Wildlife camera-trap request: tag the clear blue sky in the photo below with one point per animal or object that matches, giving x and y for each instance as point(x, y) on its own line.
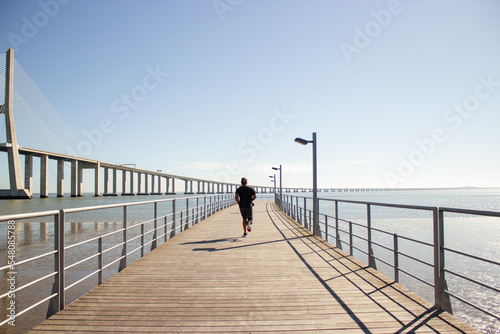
point(401, 93)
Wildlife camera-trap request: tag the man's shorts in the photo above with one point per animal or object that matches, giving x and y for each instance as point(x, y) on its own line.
point(246, 213)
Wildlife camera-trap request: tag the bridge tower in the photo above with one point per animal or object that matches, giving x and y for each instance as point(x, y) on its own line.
point(15, 174)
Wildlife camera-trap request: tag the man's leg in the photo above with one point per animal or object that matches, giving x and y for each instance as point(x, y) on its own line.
point(244, 226)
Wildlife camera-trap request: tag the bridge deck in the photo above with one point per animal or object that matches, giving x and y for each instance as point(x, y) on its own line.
point(278, 279)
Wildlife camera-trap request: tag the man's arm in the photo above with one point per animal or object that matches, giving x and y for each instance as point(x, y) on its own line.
point(237, 198)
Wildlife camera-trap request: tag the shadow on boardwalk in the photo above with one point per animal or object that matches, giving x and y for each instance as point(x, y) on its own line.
point(278, 279)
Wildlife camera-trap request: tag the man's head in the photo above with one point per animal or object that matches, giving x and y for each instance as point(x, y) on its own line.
point(244, 181)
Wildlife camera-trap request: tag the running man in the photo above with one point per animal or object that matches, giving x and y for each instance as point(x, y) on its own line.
point(244, 197)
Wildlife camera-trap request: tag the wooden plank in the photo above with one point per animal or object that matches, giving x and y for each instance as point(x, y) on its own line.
point(278, 279)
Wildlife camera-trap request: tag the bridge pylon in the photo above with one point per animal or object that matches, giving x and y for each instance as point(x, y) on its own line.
point(17, 189)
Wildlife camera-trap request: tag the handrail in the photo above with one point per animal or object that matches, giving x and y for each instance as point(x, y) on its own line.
point(297, 208)
point(167, 225)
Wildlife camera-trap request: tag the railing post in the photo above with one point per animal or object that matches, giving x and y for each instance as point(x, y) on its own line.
point(165, 225)
point(155, 234)
point(435, 230)
point(123, 262)
point(297, 216)
point(371, 257)
point(142, 239)
point(444, 298)
point(338, 243)
point(99, 260)
point(61, 261)
point(181, 225)
point(204, 207)
point(396, 258)
point(326, 228)
point(197, 210)
point(305, 213)
point(55, 303)
point(310, 220)
point(173, 218)
point(187, 213)
point(350, 238)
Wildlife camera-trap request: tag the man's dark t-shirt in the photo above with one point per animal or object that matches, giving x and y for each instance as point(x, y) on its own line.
point(246, 194)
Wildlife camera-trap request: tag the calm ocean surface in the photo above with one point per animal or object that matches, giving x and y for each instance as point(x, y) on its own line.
point(476, 235)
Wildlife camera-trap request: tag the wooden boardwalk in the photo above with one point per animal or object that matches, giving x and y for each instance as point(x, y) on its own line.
point(279, 279)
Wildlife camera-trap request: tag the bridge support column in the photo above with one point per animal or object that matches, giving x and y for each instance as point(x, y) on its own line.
point(188, 184)
point(146, 184)
point(28, 172)
point(114, 181)
point(131, 182)
point(106, 179)
point(159, 184)
point(60, 178)
point(97, 179)
point(80, 180)
point(124, 182)
point(152, 184)
point(139, 184)
point(44, 160)
point(74, 178)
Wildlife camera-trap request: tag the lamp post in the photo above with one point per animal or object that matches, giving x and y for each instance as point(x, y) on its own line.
point(281, 179)
point(316, 229)
point(273, 179)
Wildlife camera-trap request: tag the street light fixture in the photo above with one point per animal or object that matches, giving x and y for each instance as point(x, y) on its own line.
point(316, 229)
point(280, 168)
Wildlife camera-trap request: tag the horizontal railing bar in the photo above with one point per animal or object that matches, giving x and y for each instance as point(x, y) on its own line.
point(362, 251)
point(28, 284)
point(471, 304)
point(20, 216)
point(470, 212)
point(81, 261)
point(134, 250)
point(81, 280)
point(471, 256)
point(472, 280)
point(401, 206)
point(383, 261)
point(81, 243)
point(415, 240)
point(415, 277)
point(382, 246)
point(415, 259)
point(111, 248)
point(113, 262)
point(136, 237)
point(30, 259)
point(111, 233)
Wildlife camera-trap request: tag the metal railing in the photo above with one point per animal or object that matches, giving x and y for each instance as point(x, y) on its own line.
point(191, 210)
point(341, 231)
